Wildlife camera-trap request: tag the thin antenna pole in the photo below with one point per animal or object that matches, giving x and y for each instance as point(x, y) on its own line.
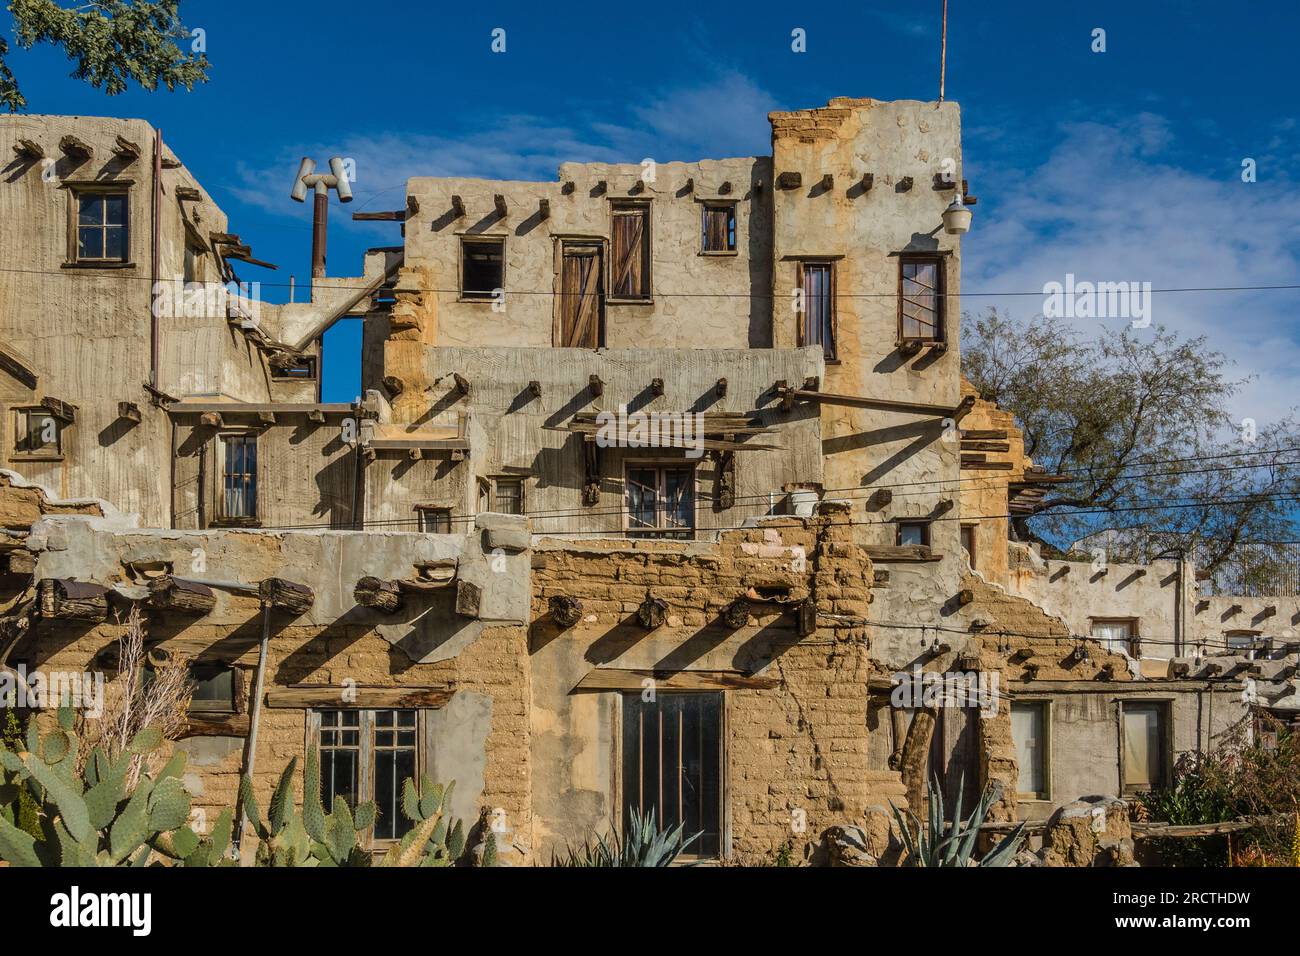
point(943, 50)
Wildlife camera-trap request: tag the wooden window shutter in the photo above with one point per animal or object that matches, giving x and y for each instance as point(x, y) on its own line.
point(630, 252)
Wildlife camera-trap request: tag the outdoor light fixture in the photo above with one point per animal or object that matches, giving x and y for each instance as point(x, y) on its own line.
point(956, 218)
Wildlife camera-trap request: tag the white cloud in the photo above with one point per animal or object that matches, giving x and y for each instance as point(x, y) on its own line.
point(1108, 205)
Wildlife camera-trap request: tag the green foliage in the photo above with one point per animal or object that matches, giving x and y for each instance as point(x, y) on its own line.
point(784, 854)
point(644, 844)
point(312, 837)
point(17, 805)
point(88, 817)
point(938, 843)
point(112, 43)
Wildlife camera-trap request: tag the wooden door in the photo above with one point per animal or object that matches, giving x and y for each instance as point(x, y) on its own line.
point(581, 307)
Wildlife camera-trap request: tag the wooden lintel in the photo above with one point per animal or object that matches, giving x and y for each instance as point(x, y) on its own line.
point(199, 724)
point(901, 552)
point(609, 678)
point(349, 697)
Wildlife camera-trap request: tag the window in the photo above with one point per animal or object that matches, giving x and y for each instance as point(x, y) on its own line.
point(1117, 635)
point(238, 497)
point(630, 252)
point(672, 764)
point(914, 532)
point(502, 495)
point(303, 369)
point(920, 306)
point(719, 230)
point(1029, 730)
point(1145, 745)
point(101, 226)
point(214, 689)
point(433, 520)
point(580, 322)
point(660, 501)
point(1246, 643)
point(482, 267)
point(193, 263)
point(817, 323)
point(968, 543)
point(368, 755)
point(38, 433)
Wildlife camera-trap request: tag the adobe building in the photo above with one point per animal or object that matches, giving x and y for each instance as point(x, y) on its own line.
point(661, 475)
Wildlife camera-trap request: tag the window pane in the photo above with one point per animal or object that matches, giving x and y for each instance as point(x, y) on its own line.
point(1143, 743)
point(90, 242)
point(394, 762)
point(679, 498)
point(509, 497)
point(115, 210)
point(214, 687)
point(672, 764)
point(114, 242)
point(1114, 635)
point(90, 210)
point(819, 306)
point(911, 534)
point(641, 498)
point(1027, 731)
point(339, 757)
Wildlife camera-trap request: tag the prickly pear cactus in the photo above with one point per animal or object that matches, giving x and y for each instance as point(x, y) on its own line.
point(90, 818)
point(432, 841)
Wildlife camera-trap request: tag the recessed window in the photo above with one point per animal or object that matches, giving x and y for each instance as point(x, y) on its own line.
point(38, 433)
point(968, 543)
point(483, 265)
point(433, 520)
point(1029, 731)
point(921, 299)
point(101, 226)
point(914, 533)
point(502, 495)
point(1117, 635)
point(214, 689)
point(630, 252)
point(1246, 643)
point(193, 263)
point(302, 369)
point(719, 230)
point(368, 755)
point(817, 320)
point(1145, 741)
point(672, 764)
point(238, 493)
point(660, 501)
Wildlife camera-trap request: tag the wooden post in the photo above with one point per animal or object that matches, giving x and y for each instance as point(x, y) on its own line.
point(915, 761)
point(250, 745)
point(382, 595)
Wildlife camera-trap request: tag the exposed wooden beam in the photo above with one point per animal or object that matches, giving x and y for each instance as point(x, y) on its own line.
point(63, 411)
point(76, 148)
point(565, 611)
point(789, 180)
point(469, 598)
point(596, 385)
point(349, 697)
point(72, 600)
point(885, 404)
point(129, 411)
point(499, 202)
point(720, 389)
point(543, 209)
point(385, 596)
point(652, 612)
point(609, 678)
point(188, 194)
point(458, 207)
point(28, 149)
point(168, 593)
point(287, 596)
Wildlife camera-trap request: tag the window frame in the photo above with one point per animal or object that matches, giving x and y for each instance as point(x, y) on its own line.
point(921, 523)
point(22, 416)
point(210, 708)
point(464, 295)
point(1164, 707)
point(623, 785)
point(1134, 638)
point(626, 207)
point(940, 263)
point(714, 205)
point(366, 750)
point(831, 356)
point(970, 529)
point(1044, 707)
point(660, 467)
point(441, 513)
point(221, 517)
point(311, 362)
point(78, 190)
point(487, 493)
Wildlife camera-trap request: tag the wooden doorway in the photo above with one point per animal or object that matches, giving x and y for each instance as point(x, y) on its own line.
point(580, 309)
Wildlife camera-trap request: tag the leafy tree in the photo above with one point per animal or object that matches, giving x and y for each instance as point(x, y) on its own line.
point(112, 42)
point(1138, 421)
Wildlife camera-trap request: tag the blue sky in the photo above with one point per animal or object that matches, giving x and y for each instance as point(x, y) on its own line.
point(1117, 165)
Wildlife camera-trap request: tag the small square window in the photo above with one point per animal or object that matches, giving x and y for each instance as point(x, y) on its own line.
point(914, 533)
point(38, 433)
point(508, 496)
point(482, 265)
point(303, 369)
point(214, 688)
point(1117, 635)
point(433, 520)
point(719, 232)
point(101, 226)
point(660, 501)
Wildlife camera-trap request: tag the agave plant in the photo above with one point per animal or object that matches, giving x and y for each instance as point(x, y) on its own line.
point(939, 843)
point(644, 844)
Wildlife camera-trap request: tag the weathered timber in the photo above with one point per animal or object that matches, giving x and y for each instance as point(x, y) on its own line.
point(72, 600)
point(340, 696)
point(565, 611)
point(129, 411)
point(469, 597)
point(28, 149)
point(19, 562)
point(609, 678)
point(901, 552)
point(382, 595)
point(789, 180)
point(286, 595)
point(652, 612)
point(76, 148)
point(168, 593)
point(736, 614)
